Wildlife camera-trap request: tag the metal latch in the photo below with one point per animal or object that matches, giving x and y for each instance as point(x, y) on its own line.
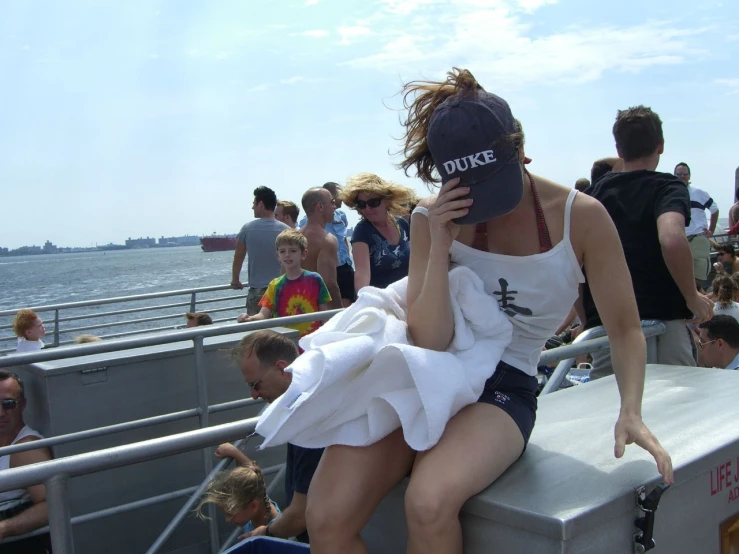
point(647, 503)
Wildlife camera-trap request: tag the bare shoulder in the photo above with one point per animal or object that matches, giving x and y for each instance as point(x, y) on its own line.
point(19, 459)
point(330, 241)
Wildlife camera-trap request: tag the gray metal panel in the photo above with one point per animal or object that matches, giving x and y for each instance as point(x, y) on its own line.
point(64, 397)
point(568, 494)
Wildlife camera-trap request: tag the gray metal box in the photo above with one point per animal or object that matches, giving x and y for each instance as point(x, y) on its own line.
point(568, 494)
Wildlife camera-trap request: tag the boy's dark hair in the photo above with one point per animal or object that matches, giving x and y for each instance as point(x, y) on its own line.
point(638, 133)
point(727, 249)
point(724, 327)
point(5, 375)
point(266, 196)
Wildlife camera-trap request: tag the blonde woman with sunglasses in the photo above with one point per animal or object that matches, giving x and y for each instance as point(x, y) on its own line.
point(381, 240)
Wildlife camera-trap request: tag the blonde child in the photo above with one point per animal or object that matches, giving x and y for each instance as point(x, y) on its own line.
point(240, 493)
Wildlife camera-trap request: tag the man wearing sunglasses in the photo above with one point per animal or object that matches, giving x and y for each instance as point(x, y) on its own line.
point(21, 510)
point(719, 342)
point(263, 358)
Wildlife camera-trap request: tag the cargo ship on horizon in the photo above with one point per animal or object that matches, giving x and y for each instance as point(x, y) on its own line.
point(218, 243)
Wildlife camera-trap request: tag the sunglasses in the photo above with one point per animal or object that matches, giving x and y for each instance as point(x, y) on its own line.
point(255, 385)
point(701, 344)
point(372, 203)
point(682, 174)
point(9, 403)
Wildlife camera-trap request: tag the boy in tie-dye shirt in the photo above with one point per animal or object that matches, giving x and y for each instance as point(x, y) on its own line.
point(297, 291)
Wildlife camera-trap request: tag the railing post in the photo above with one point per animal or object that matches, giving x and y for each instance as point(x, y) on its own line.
point(60, 519)
point(56, 327)
point(202, 388)
point(193, 302)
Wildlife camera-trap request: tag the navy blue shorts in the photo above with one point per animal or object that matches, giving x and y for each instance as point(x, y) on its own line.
point(514, 392)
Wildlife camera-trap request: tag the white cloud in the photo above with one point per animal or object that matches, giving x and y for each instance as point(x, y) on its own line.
point(732, 84)
point(314, 33)
point(293, 80)
point(353, 33)
point(493, 38)
point(311, 2)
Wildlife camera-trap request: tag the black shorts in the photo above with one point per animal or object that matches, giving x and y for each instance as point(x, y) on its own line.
point(345, 278)
point(514, 392)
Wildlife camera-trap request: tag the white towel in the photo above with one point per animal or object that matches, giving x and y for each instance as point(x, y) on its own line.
point(360, 378)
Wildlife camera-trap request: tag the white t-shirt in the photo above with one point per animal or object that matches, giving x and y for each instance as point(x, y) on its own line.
point(28, 345)
point(700, 201)
point(732, 310)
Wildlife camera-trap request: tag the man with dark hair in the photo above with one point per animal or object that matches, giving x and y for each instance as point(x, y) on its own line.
point(727, 260)
point(323, 247)
point(650, 210)
point(21, 510)
point(339, 228)
point(699, 230)
point(719, 342)
point(287, 212)
point(257, 238)
point(263, 357)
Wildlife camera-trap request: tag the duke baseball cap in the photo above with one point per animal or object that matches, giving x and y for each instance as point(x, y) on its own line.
point(468, 137)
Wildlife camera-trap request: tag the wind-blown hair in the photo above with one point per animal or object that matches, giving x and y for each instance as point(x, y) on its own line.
point(421, 98)
point(233, 490)
point(398, 197)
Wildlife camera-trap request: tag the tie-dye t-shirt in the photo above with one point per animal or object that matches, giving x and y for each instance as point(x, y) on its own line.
point(296, 296)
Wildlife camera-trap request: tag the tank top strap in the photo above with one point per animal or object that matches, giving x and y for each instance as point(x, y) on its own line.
point(568, 211)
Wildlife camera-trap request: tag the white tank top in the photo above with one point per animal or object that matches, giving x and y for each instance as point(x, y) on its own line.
point(9, 499)
point(536, 292)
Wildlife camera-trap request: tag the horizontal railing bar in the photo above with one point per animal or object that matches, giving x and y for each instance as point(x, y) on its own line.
point(101, 347)
point(99, 431)
point(220, 299)
point(126, 426)
point(126, 322)
point(591, 345)
point(118, 299)
point(114, 510)
point(226, 309)
point(234, 404)
point(128, 454)
point(121, 312)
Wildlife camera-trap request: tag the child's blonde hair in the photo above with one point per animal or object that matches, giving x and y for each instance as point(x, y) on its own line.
point(233, 490)
point(24, 320)
point(292, 237)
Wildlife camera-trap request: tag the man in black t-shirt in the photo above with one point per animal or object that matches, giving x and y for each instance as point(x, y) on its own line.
point(650, 210)
point(263, 356)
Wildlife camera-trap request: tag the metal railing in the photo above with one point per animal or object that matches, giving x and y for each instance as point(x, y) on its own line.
point(55, 474)
point(196, 335)
point(191, 304)
point(592, 340)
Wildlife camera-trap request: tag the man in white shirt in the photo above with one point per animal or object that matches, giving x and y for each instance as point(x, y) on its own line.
point(699, 229)
point(719, 342)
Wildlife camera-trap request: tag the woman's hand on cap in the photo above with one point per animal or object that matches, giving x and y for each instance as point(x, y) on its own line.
point(449, 205)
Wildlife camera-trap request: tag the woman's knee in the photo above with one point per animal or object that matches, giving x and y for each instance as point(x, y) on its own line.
point(429, 505)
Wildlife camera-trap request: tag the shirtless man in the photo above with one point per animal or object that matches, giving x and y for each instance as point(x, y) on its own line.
point(323, 248)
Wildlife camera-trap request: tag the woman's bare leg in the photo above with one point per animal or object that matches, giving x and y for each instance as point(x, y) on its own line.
point(347, 487)
point(478, 445)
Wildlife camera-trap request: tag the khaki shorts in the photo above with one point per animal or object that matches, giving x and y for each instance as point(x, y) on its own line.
point(701, 249)
point(252, 300)
point(675, 347)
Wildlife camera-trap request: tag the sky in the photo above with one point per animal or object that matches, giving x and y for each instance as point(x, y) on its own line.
point(159, 118)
